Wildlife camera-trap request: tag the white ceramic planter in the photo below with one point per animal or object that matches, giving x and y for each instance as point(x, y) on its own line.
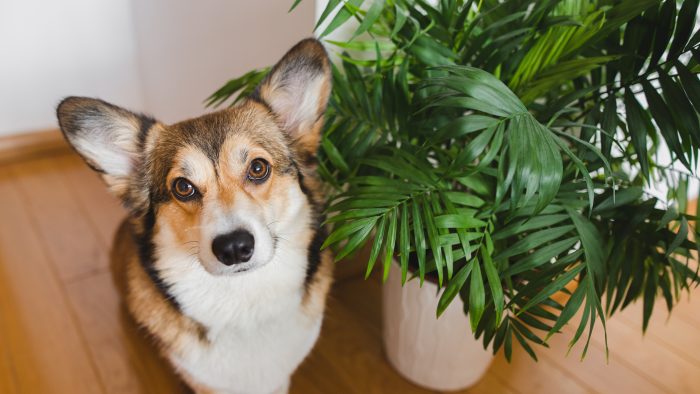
point(439, 354)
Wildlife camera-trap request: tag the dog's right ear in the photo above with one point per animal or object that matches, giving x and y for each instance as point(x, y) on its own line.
point(297, 91)
point(109, 138)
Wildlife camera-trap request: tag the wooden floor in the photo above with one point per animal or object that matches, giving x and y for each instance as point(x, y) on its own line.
point(62, 329)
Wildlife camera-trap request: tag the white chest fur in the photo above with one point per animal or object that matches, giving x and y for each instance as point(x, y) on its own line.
point(257, 329)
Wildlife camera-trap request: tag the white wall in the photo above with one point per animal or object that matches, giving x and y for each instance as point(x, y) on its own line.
point(53, 49)
point(163, 57)
point(188, 49)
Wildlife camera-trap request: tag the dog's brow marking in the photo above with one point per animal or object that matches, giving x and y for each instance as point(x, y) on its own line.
point(244, 155)
point(215, 165)
point(186, 171)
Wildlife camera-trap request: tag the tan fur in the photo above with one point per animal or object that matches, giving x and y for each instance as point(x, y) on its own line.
point(314, 302)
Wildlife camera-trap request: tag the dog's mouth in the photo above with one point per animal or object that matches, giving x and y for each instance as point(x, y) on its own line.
point(241, 270)
point(218, 269)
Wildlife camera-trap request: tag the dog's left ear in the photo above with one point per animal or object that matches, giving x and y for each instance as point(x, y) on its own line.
point(297, 91)
point(110, 139)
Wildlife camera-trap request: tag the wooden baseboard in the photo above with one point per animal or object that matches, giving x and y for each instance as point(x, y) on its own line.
point(32, 145)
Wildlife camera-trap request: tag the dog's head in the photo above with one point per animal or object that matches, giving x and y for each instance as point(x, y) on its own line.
point(224, 187)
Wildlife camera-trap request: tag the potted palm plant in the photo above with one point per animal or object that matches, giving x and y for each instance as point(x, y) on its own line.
point(511, 151)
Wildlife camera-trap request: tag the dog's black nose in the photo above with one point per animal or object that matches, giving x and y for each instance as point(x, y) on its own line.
point(234, 248)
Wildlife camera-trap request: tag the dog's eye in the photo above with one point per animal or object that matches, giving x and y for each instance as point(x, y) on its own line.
point(183, 189)
point(259, 170)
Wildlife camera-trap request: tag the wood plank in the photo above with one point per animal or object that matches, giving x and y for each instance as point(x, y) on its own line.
point(688, 308)
point(669, 330)
point(103, 210)
point(126, 360)
point(543, 376)
point(32, 145)
point(655, 360)
point(8, 382)
point(611, 375)
point(71, 240)
point(43, 341)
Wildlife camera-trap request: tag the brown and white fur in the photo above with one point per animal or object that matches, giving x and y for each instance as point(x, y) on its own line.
point(242, 327)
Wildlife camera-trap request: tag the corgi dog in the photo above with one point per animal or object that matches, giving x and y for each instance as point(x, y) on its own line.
point(219, 259)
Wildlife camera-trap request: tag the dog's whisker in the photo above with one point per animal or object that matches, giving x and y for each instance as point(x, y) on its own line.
point(291, 245)
point(283, 235)
point(193, 255)
point(271, 223)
